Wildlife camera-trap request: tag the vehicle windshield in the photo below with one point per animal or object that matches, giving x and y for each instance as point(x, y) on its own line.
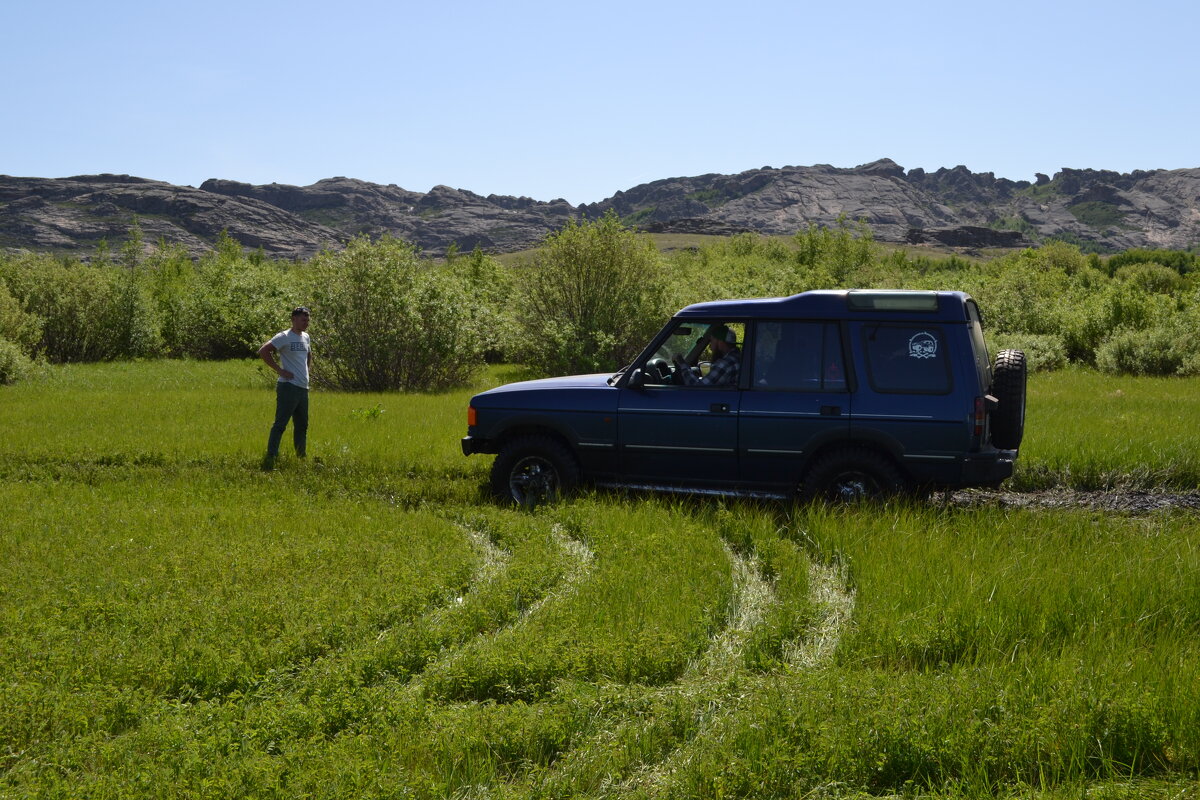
point(681, 341)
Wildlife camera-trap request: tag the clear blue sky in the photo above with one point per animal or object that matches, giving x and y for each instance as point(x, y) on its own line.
point(580, 100)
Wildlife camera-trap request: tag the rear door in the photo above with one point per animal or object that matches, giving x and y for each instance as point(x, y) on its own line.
point(796, 400)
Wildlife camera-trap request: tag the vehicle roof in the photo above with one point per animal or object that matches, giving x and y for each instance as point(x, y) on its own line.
point(840, 304)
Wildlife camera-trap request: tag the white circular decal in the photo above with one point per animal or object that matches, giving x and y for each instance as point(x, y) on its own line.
point(923, 345)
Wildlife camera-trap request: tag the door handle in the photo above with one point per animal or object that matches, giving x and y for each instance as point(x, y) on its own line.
point(831, 411)
point(720, 408)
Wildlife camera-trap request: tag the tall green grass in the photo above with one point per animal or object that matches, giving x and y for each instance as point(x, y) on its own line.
point(176, 623)
point(1087, 430)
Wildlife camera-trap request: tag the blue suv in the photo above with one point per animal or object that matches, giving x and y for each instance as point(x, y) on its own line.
point(839, 395)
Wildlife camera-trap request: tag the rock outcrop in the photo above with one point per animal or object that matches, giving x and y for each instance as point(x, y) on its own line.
point(950, 207)
point(75, 214)
point(433, 221)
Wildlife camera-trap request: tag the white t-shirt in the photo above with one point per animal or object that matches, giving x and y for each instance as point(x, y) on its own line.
point(293, 356)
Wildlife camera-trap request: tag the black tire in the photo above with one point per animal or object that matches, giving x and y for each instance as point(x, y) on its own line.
point(1008, 387)
point(853, 475)
point(533, 470)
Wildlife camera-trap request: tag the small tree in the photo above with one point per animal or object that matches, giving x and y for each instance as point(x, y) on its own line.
point(14, 364)
point(19, 328)
point(491, 289)
point(591, 299)
point(384, 319)
point(232, 304)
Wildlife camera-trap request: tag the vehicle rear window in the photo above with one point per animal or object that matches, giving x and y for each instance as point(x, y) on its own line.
point(798, 356)
point(906, 359)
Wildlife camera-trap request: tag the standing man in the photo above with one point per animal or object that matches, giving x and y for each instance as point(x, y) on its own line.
point(291, 392)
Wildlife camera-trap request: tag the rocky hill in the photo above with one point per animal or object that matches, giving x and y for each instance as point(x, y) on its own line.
point(950, 207)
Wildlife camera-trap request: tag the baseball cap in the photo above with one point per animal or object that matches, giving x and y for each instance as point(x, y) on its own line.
point(723, 333)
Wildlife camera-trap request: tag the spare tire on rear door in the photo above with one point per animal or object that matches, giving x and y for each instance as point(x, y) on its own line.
point(1008, 387)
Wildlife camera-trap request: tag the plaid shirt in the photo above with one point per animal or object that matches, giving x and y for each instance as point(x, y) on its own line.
point(723, 372)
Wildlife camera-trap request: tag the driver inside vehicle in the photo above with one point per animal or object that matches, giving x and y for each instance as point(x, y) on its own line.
point(727, 360)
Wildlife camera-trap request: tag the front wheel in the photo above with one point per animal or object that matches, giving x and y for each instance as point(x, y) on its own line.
point(852, 475)
point(533, 470)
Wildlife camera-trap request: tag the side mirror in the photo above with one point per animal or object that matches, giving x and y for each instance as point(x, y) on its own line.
point(637, 379)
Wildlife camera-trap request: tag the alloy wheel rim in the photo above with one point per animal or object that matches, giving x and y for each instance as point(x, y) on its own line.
point(533, 480)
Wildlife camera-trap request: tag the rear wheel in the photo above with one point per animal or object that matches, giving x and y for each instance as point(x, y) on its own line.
point(1008, 387)
point(852, 475)
point(533, 470)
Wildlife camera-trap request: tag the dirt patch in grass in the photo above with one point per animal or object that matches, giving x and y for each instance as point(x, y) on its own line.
point(1135, 501)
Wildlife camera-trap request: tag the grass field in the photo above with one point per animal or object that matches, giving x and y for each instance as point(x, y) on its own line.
point(176, 623)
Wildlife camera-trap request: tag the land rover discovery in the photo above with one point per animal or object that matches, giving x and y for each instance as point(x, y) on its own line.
point(838, 395)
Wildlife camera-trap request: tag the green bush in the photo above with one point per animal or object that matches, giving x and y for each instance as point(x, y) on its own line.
point(1090, 318)
point(14, 364)
point(18, 327)
point(1149, 351)
point(233, 304)
point(590, 301)
point(840, 253)
point(1021, 294)
point(384, 319)
point(89, 312)
point(490, 287)
point(1150, 277)
point(1178, 260)
point(171, 279)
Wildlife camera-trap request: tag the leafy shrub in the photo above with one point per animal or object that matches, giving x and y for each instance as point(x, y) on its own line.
point(1091, 317)
point(1178, 260)
point(18, 327)
point(383, 319)
point(89, 312)
point(1150, 277)
point(590, 301)
point(839, 252)
point(1020, 298)
point(233, 304)
point(170, 279)
point(491, 290)
point(1150, 351)
point(14, 364)
point(1043, 352)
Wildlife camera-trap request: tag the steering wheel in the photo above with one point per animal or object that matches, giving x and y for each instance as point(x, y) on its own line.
point(659, 369)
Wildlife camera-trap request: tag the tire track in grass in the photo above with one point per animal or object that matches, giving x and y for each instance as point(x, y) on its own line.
point(580, 559)
point(700, 685)
point(493, 561)
point(833, 598)
point(751, 599)
point(833, 601)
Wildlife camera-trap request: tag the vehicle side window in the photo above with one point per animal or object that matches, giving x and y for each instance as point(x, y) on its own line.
point(983, 362)
point(798, 356)
point(689, 356)
point(906, 359)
